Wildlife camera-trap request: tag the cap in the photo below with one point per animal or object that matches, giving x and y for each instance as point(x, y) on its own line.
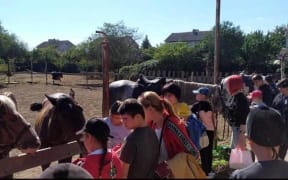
point(202, 90)
point(283, 83)
point(255, 94)
point(265, 126)
point(65, 171)
point(97, 127)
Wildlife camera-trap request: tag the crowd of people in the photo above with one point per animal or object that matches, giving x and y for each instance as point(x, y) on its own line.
point(141, 135)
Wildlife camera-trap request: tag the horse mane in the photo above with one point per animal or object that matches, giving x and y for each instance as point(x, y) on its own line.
point(7, 104)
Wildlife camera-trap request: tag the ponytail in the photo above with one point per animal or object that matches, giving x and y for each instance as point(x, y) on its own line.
point(102, 160)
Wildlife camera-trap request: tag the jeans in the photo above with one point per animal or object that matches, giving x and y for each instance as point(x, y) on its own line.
point(235, 136)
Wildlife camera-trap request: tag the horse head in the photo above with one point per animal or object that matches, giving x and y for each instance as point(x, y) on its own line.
point(151, 85)
point(15, 130)
point(60, 118)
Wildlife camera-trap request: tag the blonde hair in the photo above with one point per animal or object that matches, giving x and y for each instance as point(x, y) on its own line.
point(150, 98)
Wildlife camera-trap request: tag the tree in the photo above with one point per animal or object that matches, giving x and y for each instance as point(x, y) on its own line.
point(178, 57)
point(146, 44)
point(123, 49)
point(255, 52)
point(231, 41)
point(277, 40)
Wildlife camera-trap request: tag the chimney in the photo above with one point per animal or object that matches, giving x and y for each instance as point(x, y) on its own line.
point(195, 31)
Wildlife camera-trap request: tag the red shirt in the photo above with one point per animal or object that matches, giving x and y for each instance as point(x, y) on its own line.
point(92, 162)
point(175, 137)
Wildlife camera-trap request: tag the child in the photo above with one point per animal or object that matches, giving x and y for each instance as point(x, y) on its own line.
point(100, 162)
point(256, 98)
point(139, 153)
point(203, 110)
point(117, 129)
point(172, 93)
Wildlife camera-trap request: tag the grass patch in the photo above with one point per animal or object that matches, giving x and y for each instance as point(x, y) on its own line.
point(221, 156)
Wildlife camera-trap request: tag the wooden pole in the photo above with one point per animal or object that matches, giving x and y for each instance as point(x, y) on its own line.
point(217, 43)
point(105, 72)
point(31, 65)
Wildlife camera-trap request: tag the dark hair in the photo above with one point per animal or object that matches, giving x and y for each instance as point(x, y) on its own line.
point(101, 131)
point(65, 171)
point(115, 106)
point(257, 77)
point(172, 88)
point(132, 107)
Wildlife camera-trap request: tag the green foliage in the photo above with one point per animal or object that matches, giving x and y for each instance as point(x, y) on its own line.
point(10, 46)
point(146, 44)
point(221, 156)
point(256, 52)
point(177, 57)
point(238, 51)
point(133, 70)
point(148, 54)
point(3, 67)
point(130, 71)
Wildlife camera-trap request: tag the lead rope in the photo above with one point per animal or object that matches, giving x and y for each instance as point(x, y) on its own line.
point(113, 170)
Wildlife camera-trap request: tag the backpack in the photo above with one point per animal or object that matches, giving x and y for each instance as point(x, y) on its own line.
point(197, 131)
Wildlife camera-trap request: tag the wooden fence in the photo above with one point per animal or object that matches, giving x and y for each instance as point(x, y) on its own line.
point(202, 77)
point(26, 161)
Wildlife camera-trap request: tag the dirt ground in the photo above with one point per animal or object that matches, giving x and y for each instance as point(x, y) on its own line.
point(87, 93)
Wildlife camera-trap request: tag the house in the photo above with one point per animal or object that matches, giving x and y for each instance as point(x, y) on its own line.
point(61, 46)
point(192, 38)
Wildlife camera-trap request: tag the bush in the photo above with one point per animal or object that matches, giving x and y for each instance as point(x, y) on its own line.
point(221, 155)
point(70, 68)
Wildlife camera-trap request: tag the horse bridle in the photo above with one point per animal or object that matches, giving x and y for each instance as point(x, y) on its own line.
point(5, 148)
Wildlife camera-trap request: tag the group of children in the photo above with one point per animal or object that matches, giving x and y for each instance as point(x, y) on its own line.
point(141, 134)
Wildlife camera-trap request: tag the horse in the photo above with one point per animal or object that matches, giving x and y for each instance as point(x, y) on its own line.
point(59, 119)
point(15, 130)
point(56, 76)
point(123, 89)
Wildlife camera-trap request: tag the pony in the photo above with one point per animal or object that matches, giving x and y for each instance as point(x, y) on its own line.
point(123, 89)
point(15, 130)
point(59, 119)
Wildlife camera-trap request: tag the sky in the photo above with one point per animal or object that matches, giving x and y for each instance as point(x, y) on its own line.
point(36, 21)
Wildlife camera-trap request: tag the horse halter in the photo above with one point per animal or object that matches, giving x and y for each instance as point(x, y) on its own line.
point(5, 148)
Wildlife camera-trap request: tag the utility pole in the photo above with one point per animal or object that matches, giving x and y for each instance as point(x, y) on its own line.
point(217, 43)
point(105, 74)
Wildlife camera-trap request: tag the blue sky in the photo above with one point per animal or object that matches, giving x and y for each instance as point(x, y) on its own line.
point(35, 21)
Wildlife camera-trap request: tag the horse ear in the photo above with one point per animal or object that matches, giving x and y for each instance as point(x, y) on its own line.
point(72, 93)
point(163, 80)
point(51, 99)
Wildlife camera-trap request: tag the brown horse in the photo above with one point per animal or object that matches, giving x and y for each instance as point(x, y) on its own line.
point(59, 119)
point(15, 131)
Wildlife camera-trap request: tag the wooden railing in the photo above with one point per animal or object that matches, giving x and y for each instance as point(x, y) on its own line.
point(43, 156)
